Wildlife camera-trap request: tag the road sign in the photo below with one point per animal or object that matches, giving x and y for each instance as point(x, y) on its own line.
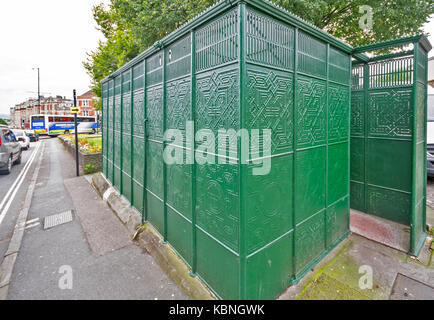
point(75, 110)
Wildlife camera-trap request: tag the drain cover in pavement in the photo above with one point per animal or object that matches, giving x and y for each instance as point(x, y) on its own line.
point(406, 288)
point(57, 219)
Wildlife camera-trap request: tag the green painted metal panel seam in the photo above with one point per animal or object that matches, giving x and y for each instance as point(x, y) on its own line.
point(132, 135)
point(242, 167)
point(366, 81)
point(192, 155)
point(164, 145)
point(121, 186)
point(327, 142)
point(145, 147)
point(413, 237)
point(294, 145)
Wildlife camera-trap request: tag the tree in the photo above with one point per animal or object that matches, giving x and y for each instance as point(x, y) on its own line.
point(3, 122)
point(131, 26)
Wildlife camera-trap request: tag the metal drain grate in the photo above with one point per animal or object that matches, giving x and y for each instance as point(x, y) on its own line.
point(57, 219)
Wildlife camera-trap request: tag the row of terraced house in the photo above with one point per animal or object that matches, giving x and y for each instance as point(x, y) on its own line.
point(58, 105)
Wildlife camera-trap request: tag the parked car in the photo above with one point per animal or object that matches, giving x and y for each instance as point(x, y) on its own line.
point(22, 138)
point(32, 135)
point(10, 150)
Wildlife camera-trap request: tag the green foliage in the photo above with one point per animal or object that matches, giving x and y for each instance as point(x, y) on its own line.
point(131, 26)
point(89, 168)
point(3, 122)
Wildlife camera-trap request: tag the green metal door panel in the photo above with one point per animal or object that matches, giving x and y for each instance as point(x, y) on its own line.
point(337, 221)
point(337, 172)
point(312, 56)
point(217, 199)
point(179, 234)
point(270, 100)
point(154, 168)
point(310, 112)
point(309, 242)
point(310, 183)
point(218, 266)
point(388, 204)
point(273, 46)
point(338, 113)
point(178, 188)
point(268, 203)
point(382, 171)
point(274, 265)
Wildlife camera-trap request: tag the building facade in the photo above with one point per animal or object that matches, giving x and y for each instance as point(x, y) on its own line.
point(20, 113)
point(87, 103)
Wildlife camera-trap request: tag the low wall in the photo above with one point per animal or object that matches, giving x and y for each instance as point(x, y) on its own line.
point(94, 159)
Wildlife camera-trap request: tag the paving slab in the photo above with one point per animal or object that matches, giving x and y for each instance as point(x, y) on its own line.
point(406, 288)
point(104, 232)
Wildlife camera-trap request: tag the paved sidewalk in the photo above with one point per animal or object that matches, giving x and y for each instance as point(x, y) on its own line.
point(105, 264)
point(337, 277)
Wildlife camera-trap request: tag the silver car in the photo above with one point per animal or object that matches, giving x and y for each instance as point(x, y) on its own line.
point(10, 150)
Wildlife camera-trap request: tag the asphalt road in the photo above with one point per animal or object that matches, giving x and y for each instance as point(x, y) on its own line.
point(8, 217)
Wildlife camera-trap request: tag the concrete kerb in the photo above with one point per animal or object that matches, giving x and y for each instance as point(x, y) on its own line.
point(148, 239)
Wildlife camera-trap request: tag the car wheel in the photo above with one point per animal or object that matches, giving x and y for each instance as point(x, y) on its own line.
point(7, 168)
point(18, 161)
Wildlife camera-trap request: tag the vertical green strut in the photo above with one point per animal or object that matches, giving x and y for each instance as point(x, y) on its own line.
point(193, 148)
point(242, 167)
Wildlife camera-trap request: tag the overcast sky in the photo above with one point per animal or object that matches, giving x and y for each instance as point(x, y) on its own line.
point(53, 35)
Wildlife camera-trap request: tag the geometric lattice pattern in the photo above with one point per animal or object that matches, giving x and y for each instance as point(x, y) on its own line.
point(270, 106)
point(311, 103)
point(390, 113)
point(338, 113)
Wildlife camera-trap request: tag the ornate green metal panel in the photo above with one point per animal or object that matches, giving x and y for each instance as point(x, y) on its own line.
point(388, 137)
point(242, 65)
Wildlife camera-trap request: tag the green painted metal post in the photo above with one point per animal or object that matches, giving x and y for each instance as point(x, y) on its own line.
point(413, 235)
point(349, 141)
point(145, 142)
point(121, 186)
point(114, 132)
point(366, 85)
point(164, 147)
point(132, 135)
point(192, 154)
point(326, 141)
point(294, 146)
point(242, 166)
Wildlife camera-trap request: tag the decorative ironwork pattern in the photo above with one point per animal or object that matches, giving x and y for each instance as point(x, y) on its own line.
point(154, 112)
point(390, 113)
point(311, 101)
point(338, 112)
point(217, 42)
point(357, 114)
point(217, 100)
point(269, 42)
point(178, 103)
point(270, 106)
point(218, 202)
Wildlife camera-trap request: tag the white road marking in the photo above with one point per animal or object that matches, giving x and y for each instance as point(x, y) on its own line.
point(16, 185)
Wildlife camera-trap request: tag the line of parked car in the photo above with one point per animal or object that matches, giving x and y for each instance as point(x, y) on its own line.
point(12, 144)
